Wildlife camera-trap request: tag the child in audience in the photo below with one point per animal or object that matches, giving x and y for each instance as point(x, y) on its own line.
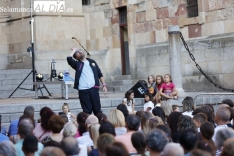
point(151, 85)
point(69, 115)
point(129, 101)
point(175, 108)
point(159, 82)
point(148, 106)
point(168, 89)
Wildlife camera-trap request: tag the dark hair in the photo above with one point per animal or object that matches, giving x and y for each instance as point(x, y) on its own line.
point(101, 117)
point(123, 109)
point(158, 85)
point(144, 117)
point(206, 146)
point(158, 111)
point(25, 127)
point(70, 146)
point(188, 104)
point(26, 117)
point(229, 102)
point(81, 118)
point(56, 123)
point(172, 122)
point(64, 117)
point(29, 111)
point(200, 117)
point(207, 130)
point(186, 122)
point(45, 114)
point(210, 105)
point(116, 149)
point(133, 122)
point(188, 139)
point(207, 111)
point(52, 143)
point(174, 107)
point(166, 130)
point(127, 95)
point(138, 142)
point(156, 140)
point(107, 127)
point(139, 113)
point(149, 95)
point(30, 144)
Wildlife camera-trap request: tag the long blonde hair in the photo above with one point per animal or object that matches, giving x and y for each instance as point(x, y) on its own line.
point(166, 106)
point(94, 133)
point(117, 118)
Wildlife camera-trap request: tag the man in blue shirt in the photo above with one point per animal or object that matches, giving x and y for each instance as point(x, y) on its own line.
point(87, 79)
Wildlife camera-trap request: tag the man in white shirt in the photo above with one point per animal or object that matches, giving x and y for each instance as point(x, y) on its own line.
point(221, 118)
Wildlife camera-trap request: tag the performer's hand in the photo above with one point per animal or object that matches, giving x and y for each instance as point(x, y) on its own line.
point(74, 49)
point(104, 90)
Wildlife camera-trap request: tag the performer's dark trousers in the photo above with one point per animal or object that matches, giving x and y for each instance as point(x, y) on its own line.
point(90, 100)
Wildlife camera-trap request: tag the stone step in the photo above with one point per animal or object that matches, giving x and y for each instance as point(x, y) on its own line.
point(122, 89)
point(15, 71)
point(119, 82)
point(121, 77)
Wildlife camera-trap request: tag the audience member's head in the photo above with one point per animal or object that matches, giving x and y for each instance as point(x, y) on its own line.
point(188, 104)
point(64, 117)
point(155, 141)
point(70, 146)
point(222, 135)
point(228, 148)
point(153, 123)
point(45, 115)
point(101, 117)
point(199, 119)
point(222, 116)
point(198, 152)
point(29, 111)
point(52, 143)
point(138, 142)
point(231, 110)
point(207, 130)
point(91, 119)
point(173, 120)
point(211, 106)
point(30, 144)
point(144, 117)
point(166, 130)
point(116, 149)
point(25, 128)
point(207, 111)
point(81, 118)
point(175, 108)
point(186, 122)
point(52, 151)
point(139, 113)
point(166, 106)
point(107, 127)
point(173, 149)
point(206, 146)
point(94, 133)
point(69, 130)
point(124, 110)
point(133, 122)
point(103, 141)
point(116, 117)
point(188, 139)
point(26, 117)
point(158, 111)
point(56, 123)
point(229, 102)
point(7, 148)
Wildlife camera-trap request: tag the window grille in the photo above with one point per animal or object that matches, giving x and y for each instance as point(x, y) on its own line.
point(85, 2)
point(123, 15)
point(192, 7)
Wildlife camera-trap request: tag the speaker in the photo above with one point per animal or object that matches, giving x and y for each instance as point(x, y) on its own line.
point(139, 88)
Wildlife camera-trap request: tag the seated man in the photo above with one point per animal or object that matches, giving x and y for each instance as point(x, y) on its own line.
point(132, 124)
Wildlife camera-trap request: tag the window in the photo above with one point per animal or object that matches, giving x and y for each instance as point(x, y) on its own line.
point(85, 2)
point(123, 15)
point(192, 7)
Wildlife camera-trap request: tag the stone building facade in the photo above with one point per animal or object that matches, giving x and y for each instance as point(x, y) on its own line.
point(137, 46)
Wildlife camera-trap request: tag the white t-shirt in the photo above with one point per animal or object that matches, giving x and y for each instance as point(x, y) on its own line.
point(149, 104)
point(86, 80)
point(83, 150)
point(129, 105)
point(85, 139)
point(217, 128)
point(69, 117)
point(188, 113)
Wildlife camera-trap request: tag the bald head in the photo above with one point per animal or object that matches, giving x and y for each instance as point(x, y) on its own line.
point(52, 151)
point(70, 146)
point(173, 149)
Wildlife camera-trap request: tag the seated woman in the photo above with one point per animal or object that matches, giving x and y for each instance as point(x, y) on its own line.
point(117, 118)
point(129, 101)
point(168, 89)
point(56, 124)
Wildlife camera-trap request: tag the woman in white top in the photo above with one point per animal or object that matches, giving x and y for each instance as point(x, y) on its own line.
point(188, 106)
point(117, 118)
point(129, 101)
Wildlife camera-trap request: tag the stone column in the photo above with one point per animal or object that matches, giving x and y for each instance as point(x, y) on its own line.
point(174, 57)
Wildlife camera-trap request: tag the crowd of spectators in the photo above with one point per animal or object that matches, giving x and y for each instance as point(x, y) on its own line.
point(166, 131)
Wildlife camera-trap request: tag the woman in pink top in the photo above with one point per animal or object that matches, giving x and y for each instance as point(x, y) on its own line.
point(42, 129)
point(168, 89)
